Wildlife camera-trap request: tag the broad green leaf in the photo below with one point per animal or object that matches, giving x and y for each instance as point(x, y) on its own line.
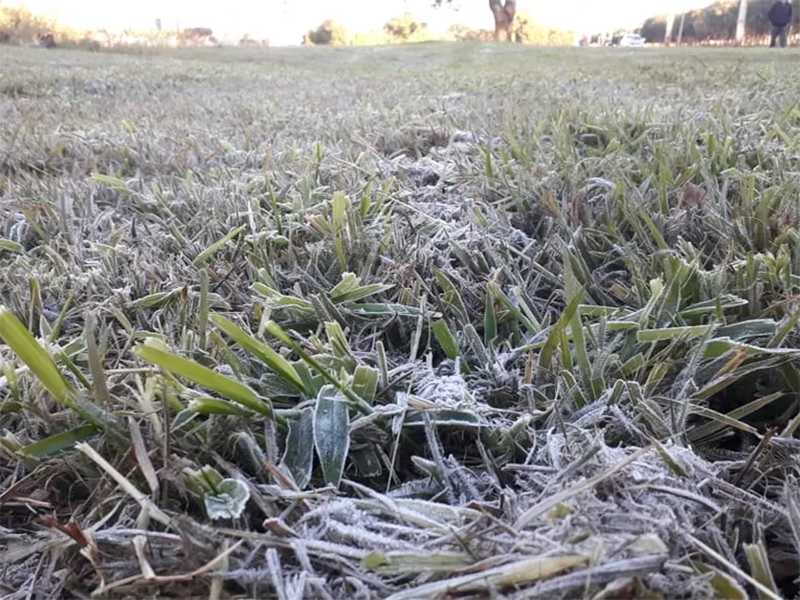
point(216, 246)
point(228, 501)
point(60, 442)
point(223, 498)
point(365, 382)
point(25, 346)
point(203, 376)
point(331, 433)
point(272, 359)
point(299, 454)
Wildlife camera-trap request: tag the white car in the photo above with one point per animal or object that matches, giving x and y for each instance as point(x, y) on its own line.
point(631, 40)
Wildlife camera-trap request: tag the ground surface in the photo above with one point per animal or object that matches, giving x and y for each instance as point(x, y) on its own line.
point(535, 314)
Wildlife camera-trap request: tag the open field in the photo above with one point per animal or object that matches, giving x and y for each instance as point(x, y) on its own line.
point(408, 322)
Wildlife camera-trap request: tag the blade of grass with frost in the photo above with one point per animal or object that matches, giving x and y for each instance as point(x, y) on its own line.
point(708, 429)
point(10, 246)
point(215, 406)
point(388, 309)
point(785, 329)
point(299, 454)
point(760, 568)
point(748, 329)
point(202, 311)
point(56, 330)
point(574, 292)
point(656, 291)
point(275, 330)
point(277, 300)
point(763, 590)
point(205, 377)
point(339, 344)
point(489, 320)
point(671, 333)
point(350, 290)
point(724, 585)
point(718, 384)
point(331, 433)
point(117, 185)
point(272, 359)
point(714, 416)
point(451, 297)
point(25, 346)
point(498, 295)
point(216, 246)
point(553, 340)
point(99, 385)
point(672, 299)
point(711, 306)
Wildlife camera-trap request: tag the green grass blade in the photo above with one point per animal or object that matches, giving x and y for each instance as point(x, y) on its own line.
point(56, 444)
point(25, 346)
point(205, 377)
point(275, 330)
point(10, 246)
point(445, 338)
point(216, 246)
point(277, 364)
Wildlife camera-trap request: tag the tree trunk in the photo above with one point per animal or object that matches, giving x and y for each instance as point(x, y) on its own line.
point(504, 13)
point(741, 23)
point(670, 26)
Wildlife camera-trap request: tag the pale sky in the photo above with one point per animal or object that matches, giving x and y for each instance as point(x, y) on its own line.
point(284, 21)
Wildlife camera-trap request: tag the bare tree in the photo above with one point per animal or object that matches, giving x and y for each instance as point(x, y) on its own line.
point(741, 22)
point(670, 26)
point(504, 13)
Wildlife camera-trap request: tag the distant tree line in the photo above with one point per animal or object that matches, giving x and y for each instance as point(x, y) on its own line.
point(405, 28)
point(716, 22)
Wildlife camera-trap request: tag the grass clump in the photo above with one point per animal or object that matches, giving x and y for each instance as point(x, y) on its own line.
point(525, 322)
